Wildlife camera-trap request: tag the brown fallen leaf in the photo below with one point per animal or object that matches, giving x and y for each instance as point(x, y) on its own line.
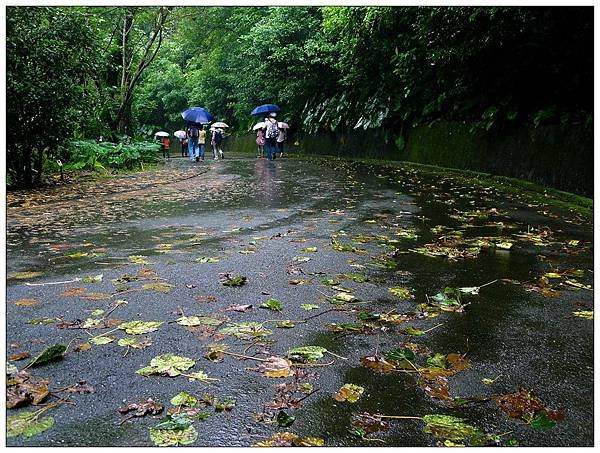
point(81, 387)
point(19, 356)
point(275, 367)
point(369, 423)
point(23, 389)
point(377, 363)
point(298, 281)
point(437, 388)
point(72, 292)
point(205, 299)
point(141, 409)
point(27, 302)
point(457, 362)
point(83, 347)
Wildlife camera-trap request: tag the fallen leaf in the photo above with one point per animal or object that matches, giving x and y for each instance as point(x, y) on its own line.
point(349, 392)
point(448, 427)
point(272, 304)
point(587, 314)
point(140, 327)
point(27, 424)
point(309, 306)
point(306, 353)
point(167, 364)
point(27, 302)
point(158, 287)
point(401, 292)
point(148, 407)
point(275, 367)
point(19, 356)
point(287, 439)
point(54, 352)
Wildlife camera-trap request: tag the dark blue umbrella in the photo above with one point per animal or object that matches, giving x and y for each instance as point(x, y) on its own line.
point(266, 108)
point(197, 115)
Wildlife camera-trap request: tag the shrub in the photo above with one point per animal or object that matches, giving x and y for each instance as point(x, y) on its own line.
point(90, 155)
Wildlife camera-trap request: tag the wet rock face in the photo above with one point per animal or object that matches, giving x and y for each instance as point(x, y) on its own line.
point(419, 295)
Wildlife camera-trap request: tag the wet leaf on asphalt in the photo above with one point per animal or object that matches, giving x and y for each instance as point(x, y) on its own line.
point(524, 405)
point(140, 327)
point(194, 321)
point(437, 360)
point(54, 352)
point(401, 292)
point(306, 354)
point(349, 392)
point(25, 275)
point(284, 419)
point(587, 314)
point(378, 364)
point(309, 306)
point(230, 280)
point(184, 399)
point(208, 259)
point(272, 304)
point(287, 439)
point(27, 302)
point(275, 367)
point(310, 249)
point(414, 332)
point(27, 424)
point(246, 330)
point(200, 376)
point(139, 259)
point(19, 356)
point(369, 423)
point(457, 361)
point(91, 279)
point(173, 437)
point(41, 321)
point(167, 365)
point(298, 281)
point(23, 389)
point(101, 340)
point(215, 352)
point(448, 427)
point(158, 287)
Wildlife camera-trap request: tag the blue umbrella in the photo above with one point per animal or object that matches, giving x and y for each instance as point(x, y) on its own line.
point(266, 108)
point(197, 115)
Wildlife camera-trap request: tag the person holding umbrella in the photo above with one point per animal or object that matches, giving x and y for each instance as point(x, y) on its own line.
point(195, 116)
point(201, 142)
point(260, 138)
point(271, 128)
point(182, 136)
point(271, 135)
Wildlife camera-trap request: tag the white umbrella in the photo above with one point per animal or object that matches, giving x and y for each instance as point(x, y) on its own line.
point(260, 125)
point(220, 124)
point(161, 134)
point(282, 125)
point(180, 134)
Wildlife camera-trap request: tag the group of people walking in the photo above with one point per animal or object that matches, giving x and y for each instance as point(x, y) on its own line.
point(271, 137)
point(194, 144)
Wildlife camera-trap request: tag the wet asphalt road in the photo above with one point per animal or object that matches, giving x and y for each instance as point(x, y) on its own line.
point(276, 209)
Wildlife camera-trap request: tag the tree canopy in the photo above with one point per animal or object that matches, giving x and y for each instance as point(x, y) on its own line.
point(329, 68)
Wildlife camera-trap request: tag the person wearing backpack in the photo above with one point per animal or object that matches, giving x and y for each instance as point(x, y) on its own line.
point(193, 133)
point(271, 136)
point(218, 137)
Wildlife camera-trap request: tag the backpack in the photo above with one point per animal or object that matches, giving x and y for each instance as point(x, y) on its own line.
point(194, 131)
point(218, 137)
point(272, 130)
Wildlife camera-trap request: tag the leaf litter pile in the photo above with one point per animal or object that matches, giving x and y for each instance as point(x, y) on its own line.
point(224, 344)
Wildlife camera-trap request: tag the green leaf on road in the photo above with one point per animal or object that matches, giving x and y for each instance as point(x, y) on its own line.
point(167, 364)
point(54, 352)
point(173, 437)
point(448, 427)
point(401, 292)
point(309, 306)
point(272, 304)
point(349, 392)
point(246, 330)
point(306, 353)
point(184, 399)
point(140, 327)
point(284, 419)
point(27, 424)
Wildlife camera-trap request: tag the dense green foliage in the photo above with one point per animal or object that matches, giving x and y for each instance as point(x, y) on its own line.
point(329, 68)
point(90, 155)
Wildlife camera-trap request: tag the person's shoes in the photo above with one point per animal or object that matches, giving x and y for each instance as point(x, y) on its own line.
point(197, 159)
